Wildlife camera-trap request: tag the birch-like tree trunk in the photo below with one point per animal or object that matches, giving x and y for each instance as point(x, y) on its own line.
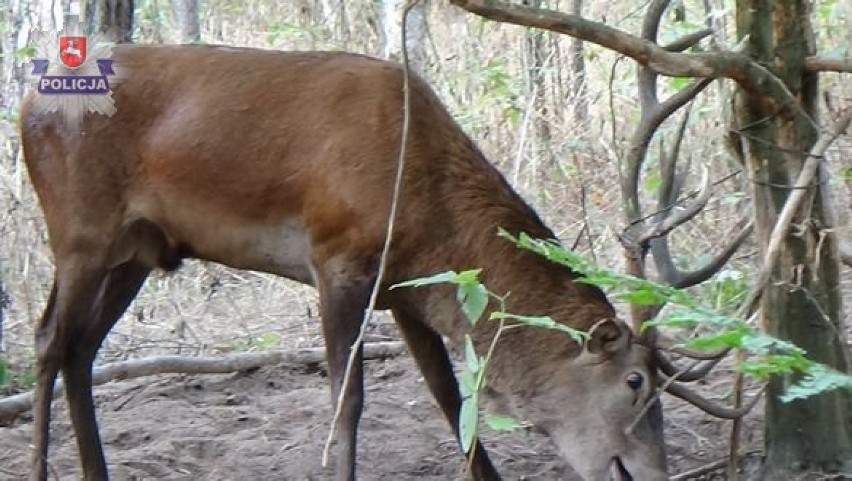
point(186, 12)
point(417, 32)
point(113, 18)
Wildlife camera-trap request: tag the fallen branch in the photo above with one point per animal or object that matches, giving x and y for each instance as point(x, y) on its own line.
point(244, 361)
point(700, 471)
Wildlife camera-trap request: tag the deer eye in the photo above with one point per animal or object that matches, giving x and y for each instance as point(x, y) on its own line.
point(634, 381)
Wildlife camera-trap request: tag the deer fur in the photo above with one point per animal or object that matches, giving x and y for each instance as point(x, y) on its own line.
point(284, 162)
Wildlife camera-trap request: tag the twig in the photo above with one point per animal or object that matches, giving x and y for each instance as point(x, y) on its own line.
point(371, 306)
point(13, 405)
point(797, 195)
point(700, 471)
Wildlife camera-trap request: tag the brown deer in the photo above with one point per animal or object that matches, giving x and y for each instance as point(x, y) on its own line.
point(284, 163)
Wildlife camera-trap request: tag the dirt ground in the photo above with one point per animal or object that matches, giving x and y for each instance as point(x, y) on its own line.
point(271, 424)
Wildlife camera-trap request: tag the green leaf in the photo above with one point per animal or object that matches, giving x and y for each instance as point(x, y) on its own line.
point(817, 379)
point(542, 321)
point(501, 422)
point(677, 83)
point(468, 422)
point(771, 356)
point(468, 277)
point(759, 343)
point(473, 297)
point(719, 340)
point(441, 278)
point(845, 173)
point(4, 371)
point(470, 356)
point(643, 296)
point(267, 340)
point(535, 321)
point(769, 365)
point(652, 182)
point(467, 383)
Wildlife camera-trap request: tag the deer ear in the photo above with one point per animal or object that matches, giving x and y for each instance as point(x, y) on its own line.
point(608, 337)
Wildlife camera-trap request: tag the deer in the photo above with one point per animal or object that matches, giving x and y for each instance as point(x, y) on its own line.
point(283, 163)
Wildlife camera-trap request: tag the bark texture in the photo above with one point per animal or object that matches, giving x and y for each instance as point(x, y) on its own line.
point(113, 18)
point(802, 302)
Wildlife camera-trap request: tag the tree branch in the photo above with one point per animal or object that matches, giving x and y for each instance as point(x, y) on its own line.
point(13, 405)
point(782, 224)
point(687, 41)
point(701, 471)
point(750, 75)
point(825, 64)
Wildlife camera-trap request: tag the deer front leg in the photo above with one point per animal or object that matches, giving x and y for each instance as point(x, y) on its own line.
point(431, 355)
point(342, 304)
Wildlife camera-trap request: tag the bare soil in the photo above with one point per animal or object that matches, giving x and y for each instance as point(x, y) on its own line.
point(272, 423)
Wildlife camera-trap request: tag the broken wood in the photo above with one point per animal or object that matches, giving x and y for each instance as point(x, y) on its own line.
point(14, 405)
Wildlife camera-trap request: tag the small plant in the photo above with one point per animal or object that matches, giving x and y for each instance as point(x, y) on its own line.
point(263, 342)
point(474, 298)
point(726, 290)
point(771, 356)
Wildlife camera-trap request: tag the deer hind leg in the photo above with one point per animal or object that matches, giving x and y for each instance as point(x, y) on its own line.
point(431, 355)
point(344, 296)
point(117, 290)
point(76, 283)
point(88, 297)
point(47, 366)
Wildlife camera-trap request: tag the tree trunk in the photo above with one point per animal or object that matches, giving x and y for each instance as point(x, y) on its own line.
point(186, 12)
point(416, 33)
point(113, 18)
point(802, 304)
point(578, 72)
point(536, 59)
point(3, 298)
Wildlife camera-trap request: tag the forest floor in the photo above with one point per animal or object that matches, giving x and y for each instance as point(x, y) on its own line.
point(271, 423)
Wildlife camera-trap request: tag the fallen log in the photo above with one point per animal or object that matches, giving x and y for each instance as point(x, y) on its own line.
point(12, 406)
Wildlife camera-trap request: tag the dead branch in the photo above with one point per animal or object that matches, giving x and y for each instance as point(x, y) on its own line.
point(700, 471)
point(244, 361)
point(824, 64)
point(750, 75)
point(794, 200)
